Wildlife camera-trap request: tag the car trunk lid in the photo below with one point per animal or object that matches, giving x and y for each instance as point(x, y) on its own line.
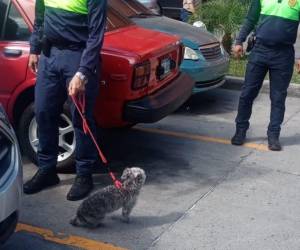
point(144, 45)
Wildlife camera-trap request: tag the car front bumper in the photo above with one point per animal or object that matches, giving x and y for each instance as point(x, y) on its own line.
point(10, 179)
point(163, 102)
point(11, 193)
point(206, 74)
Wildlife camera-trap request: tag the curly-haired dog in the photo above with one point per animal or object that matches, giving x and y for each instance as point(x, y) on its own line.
point(92, 211)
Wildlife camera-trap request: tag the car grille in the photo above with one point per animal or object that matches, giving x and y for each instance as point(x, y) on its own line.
point(211, 51)
point(5, 153)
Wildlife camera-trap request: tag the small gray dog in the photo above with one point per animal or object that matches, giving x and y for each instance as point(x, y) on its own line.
point(92, 211)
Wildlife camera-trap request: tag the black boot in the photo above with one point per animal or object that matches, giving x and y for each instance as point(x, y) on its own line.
point(239, 137)
point(81, 187)
point(41, 180)
point(274, 143)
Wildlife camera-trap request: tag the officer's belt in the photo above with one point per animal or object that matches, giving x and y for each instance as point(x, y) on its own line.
point(47, 44)
point(272, 46)
point(70, 46)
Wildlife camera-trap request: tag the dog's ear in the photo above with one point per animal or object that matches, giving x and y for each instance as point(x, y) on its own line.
point(126, 170)
point(125, 173)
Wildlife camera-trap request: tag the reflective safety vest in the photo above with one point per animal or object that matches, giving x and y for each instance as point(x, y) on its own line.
point(287, 9)
point(75, 6)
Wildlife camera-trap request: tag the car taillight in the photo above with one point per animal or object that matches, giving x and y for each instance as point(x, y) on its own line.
point(141, 75)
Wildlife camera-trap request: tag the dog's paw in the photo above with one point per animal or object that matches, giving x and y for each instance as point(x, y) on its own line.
point(74, 222)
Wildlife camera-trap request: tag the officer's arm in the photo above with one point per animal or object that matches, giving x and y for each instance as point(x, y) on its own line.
point(97, 24)
point(250, 21)
point(38, 27)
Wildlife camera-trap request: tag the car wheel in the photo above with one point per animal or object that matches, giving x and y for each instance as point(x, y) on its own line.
point(8, 227)
point(28, 135)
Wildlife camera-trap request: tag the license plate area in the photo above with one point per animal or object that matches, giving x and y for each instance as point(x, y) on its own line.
point(165, 67)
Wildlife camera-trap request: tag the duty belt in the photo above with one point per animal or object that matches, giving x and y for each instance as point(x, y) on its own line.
point(47, 45)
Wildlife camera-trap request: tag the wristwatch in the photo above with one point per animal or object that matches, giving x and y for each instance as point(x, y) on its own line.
point(82, 77)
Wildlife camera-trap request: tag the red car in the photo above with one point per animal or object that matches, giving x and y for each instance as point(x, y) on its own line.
point(141, 81)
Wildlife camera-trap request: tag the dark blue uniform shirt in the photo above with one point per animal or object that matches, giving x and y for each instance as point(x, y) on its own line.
point(68, 28)
point(270, 30)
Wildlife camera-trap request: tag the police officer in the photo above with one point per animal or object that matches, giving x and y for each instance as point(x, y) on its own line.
point(277, 25)
point(69, 35)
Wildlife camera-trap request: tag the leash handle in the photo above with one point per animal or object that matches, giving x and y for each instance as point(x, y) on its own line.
point(80, 106)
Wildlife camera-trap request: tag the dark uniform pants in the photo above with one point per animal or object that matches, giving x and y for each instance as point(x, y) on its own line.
point(279, 62)
point(54, 74)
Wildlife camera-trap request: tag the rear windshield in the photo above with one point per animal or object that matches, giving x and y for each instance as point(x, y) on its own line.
point(115, 20)
point(130, 8)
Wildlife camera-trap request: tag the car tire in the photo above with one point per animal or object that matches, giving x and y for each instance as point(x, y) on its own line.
point(28, 137)
point(8, 227)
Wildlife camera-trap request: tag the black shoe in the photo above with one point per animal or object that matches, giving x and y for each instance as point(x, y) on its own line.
point(81, 187)
point(41, 180)
point(239, 137)
point(274, 143)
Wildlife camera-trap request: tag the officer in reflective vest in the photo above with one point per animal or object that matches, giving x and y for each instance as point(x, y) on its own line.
point(276, 32)
point(64, 52)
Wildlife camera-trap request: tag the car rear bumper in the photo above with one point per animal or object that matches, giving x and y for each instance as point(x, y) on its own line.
point(160, 104)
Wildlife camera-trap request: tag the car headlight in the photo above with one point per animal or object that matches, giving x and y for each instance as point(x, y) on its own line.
point(190, 54)
point(200, 25)
point(223, 51)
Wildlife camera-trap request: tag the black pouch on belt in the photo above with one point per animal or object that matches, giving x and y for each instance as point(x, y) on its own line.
point(46, 46)
point(251, 42)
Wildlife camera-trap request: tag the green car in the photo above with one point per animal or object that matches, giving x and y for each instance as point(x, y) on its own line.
point(205, 60)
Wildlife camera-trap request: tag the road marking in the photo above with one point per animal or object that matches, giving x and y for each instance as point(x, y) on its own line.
point(75, 241)
point(259, 147)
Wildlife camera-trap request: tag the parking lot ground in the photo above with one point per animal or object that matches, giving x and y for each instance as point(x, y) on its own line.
point(201, 192)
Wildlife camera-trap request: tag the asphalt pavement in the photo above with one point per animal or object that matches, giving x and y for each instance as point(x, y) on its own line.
point(201, 192)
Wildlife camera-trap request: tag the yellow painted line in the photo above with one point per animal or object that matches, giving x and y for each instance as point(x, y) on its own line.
point(259, 147)
point(74, 241)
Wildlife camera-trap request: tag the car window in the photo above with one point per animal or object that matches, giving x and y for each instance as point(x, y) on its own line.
point(115, 20)
point(3, 9)
point(15, 28)
point(171, 3)
point(129, 8)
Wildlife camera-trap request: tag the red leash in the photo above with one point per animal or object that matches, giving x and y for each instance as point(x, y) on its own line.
point(80, 106)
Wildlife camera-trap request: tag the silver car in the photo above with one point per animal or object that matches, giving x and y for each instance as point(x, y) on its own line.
point(10, 178)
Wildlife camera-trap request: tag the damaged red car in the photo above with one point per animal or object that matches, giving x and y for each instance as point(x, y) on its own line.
point(141, 81)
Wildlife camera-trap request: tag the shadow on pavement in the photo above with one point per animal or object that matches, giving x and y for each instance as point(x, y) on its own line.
point(141, 222)
point(210, 102)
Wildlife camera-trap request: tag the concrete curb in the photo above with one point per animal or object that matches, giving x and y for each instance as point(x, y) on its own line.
point(236, 83)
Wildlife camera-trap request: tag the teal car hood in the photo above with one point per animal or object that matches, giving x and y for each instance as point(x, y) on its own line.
point(185, 31)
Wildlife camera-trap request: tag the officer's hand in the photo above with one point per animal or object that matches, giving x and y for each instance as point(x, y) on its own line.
point(33, 63)
point(76, 86)
point(238, 51)
point(298, 66)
